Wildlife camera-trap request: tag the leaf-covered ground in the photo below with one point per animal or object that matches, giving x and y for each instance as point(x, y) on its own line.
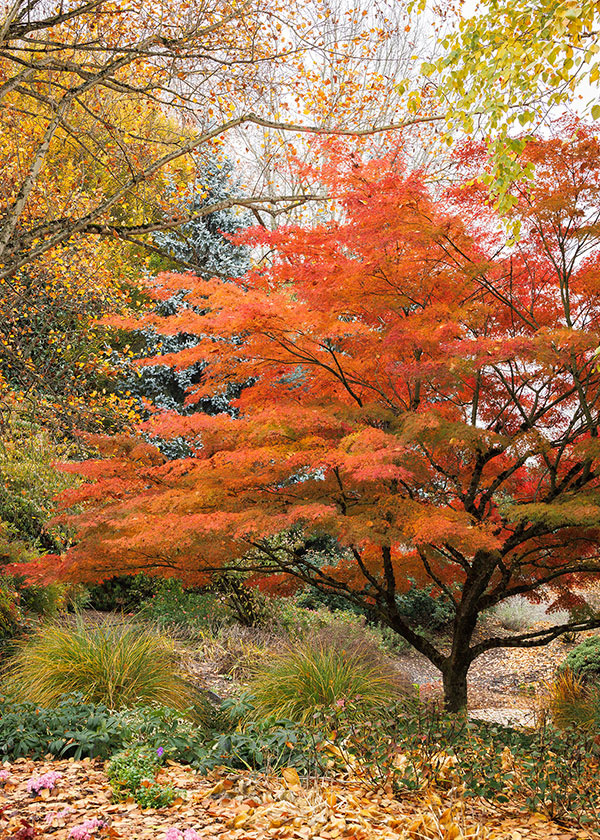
point(244, 806)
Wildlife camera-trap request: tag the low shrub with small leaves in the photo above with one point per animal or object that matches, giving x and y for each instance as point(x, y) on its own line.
point(311, 598)
point(413, 746)
point(177, 609)
point(421, 607)
point(298, 623)
point(245, 604)
point(122, 593)
point(133, 772)
point(584, 660)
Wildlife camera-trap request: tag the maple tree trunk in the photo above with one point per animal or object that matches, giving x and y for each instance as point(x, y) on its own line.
point(454, 678)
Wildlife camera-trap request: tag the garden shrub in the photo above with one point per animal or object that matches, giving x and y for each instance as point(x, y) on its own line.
point(73, 728)
point(266, 745)
point(422, 608)
point(324, 669)
point(165, 729)
point(133, 770)
point(584, 660)
point(311, 598)
point(518, 614)
point(244, 603)
point(122, 593)
point(121, 665)
point(412, 746)
point(181, 610)
point(299, 622)
point(10, 609)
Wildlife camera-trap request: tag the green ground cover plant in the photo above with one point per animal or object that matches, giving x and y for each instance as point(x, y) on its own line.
point(122, 593)
point(132, 772)
point(182, 611)
point(412, 746)
point(77, 729)
point(70, 729)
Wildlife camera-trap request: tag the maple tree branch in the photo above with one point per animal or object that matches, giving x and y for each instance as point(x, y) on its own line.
point(435, 578)
point(536, 638)
point(496, 597)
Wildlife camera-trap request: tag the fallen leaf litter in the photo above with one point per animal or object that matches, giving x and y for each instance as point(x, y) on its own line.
point(250, 806)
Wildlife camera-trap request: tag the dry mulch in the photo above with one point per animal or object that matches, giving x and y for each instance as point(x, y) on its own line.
point(246, 806)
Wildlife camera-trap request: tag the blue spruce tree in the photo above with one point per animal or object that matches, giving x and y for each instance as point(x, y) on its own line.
point(203, 247)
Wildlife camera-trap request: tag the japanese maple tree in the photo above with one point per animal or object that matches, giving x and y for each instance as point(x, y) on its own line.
point(424, 391)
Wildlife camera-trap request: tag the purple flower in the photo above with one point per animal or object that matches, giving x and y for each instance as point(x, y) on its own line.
point(159, 752)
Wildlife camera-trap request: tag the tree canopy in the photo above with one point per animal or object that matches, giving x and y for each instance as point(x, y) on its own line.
point(425, 392)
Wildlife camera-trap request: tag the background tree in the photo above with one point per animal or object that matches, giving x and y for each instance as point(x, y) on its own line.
point(425, 394)
point(514, 65)
point(204, 244)
point(99, 77)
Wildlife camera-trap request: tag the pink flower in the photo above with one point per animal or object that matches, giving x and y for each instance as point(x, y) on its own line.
point(86, 829)
point(188, 834)
point(60, 815)
point(47, 781)
point(4, 776)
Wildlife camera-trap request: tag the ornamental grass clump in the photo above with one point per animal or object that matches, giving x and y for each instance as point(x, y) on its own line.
point(120, 665)
point(322, 672)
point(572, 702)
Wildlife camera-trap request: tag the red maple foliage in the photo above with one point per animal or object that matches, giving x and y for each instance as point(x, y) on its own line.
point(423, 391)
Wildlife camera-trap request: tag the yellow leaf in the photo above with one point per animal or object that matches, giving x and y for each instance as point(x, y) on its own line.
point(291, 777)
